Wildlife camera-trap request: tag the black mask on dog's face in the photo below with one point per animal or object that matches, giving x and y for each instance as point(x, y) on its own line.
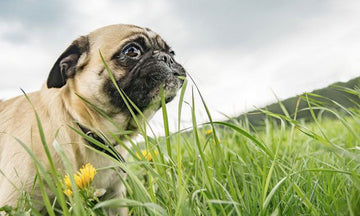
point(147, 69)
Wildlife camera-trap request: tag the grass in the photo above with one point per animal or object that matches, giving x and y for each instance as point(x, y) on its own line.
point(226, 168)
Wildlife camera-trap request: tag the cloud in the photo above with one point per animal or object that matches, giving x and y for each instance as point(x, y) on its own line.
point(39, 19)
point(322, 50)
point(155, 14)
point(34, 13)
point(237, 51)
point(22, 66)
point(249, 24)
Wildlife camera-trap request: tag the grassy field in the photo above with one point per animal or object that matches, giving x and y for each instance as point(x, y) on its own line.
point(294, 168)
point(227, 168)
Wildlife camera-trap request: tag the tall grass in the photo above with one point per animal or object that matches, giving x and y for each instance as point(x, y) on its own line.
point(224, 168)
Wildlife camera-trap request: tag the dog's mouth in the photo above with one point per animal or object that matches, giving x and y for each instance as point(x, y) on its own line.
point(169, 87)
point(143, 87)
point(149, 94)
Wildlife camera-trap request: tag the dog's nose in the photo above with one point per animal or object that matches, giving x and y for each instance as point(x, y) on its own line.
point(179, 72)
point(176, 69)
point(166, 58)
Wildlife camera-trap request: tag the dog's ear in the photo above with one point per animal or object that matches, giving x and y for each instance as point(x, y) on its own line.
point(66, 65)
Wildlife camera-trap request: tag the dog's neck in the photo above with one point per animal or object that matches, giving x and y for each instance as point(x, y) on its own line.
point(98, 143)
point(84, 113)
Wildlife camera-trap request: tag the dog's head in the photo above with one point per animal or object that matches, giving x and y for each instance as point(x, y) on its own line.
point(140, 60)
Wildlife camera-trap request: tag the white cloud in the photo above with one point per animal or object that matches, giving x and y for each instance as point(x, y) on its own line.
point(322, 50)
point(316, 50)
point(23, 65)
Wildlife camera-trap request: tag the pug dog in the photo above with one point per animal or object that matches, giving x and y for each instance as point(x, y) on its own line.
point(79, 85)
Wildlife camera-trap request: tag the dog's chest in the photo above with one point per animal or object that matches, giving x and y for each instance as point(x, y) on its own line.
point(106, 178)
point(109, 178)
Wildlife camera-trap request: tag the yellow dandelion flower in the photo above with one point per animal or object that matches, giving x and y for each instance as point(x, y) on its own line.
point(83, 178)
point(68, 192)
point(208, 132)
point(67, 184)
point(78, 181)
point(147, 155)
point(67, 181)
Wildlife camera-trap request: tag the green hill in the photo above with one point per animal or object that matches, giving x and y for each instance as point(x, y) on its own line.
point(332, 96)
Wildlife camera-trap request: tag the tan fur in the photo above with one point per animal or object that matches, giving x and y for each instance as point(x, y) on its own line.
point(59, 108)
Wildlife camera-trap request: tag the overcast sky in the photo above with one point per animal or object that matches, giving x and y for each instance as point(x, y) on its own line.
point(240, 53)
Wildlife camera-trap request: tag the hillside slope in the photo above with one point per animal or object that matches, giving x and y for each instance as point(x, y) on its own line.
point(333, 93)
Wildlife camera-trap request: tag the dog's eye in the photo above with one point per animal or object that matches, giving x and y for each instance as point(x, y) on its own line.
point(132, 51)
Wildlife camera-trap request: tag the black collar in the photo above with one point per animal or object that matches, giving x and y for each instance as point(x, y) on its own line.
point(110, 150)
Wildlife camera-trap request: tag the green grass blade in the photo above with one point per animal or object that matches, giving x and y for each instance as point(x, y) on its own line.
point(249, 136)
point(45, 196)
point(272, 192)
point(58, 191)
point(166, 122)
point(304, 199)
